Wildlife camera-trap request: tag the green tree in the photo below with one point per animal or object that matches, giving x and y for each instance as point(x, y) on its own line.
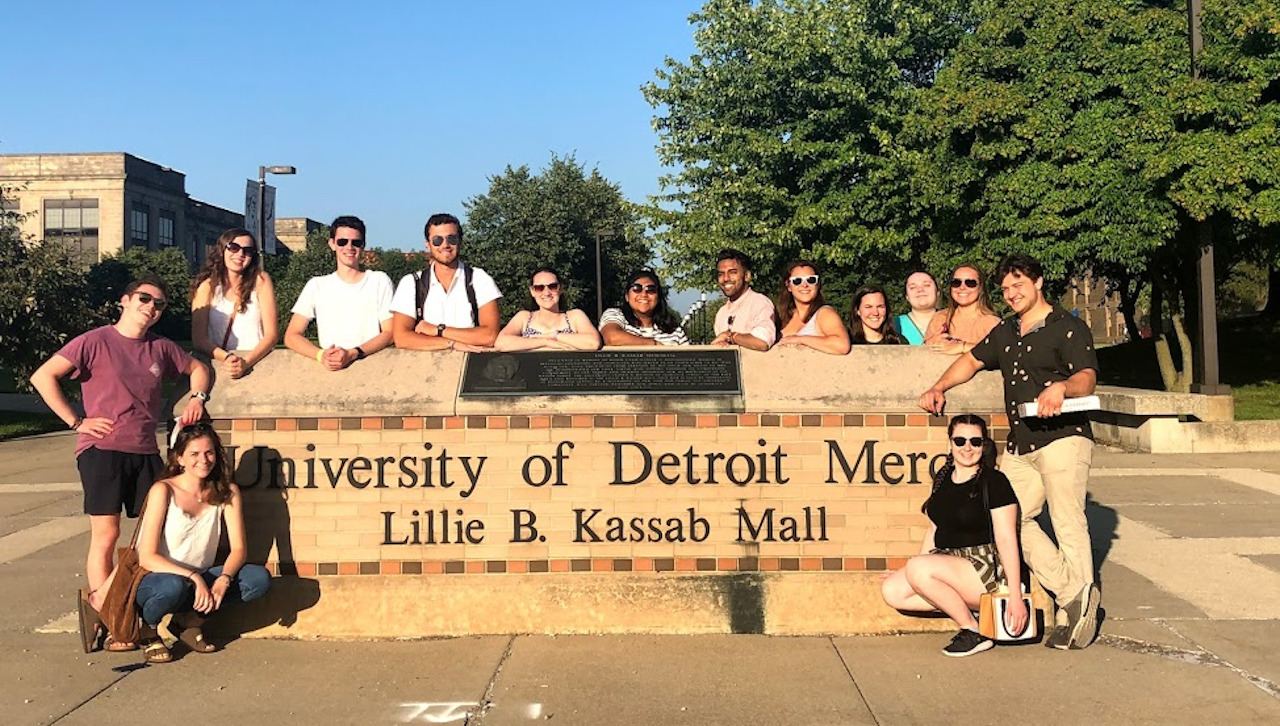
point(108, 278)
point(780, 131)
point(1073, 131)
point(526, 221)
point(315, 260)
point(42, 300)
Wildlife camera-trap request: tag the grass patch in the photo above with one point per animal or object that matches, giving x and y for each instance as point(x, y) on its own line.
point(14, 424)
point(1257, 401)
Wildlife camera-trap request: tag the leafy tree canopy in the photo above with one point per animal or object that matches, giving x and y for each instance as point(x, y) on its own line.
point(552, 218)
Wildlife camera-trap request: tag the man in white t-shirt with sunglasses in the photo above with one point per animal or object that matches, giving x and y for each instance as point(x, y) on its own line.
point(351, 306)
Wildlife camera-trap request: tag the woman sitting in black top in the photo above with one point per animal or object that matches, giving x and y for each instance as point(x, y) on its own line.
point(958, 561)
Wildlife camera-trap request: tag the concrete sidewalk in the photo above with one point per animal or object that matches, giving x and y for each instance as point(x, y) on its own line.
point(1189, 563)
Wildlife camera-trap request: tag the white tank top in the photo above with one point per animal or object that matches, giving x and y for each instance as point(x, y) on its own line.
point(246, 330)
point(191, 541)
point(811, 327)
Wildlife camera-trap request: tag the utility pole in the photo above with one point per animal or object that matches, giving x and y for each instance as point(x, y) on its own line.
point(1204, 376)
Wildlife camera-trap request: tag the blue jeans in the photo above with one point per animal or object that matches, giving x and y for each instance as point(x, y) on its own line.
point(160, 593)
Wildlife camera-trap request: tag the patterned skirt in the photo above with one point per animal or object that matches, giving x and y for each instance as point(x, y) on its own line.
point(985, 561)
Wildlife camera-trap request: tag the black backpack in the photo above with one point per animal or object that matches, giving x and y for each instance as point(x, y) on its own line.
point(423, 279)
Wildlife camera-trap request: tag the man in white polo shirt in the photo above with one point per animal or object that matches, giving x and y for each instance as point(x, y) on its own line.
point(351, 306)
point(450, 305)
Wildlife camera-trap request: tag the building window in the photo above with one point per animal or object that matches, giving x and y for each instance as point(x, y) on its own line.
point(138, 219)
point(10, 213)
point(164, 229)
point(75, 223)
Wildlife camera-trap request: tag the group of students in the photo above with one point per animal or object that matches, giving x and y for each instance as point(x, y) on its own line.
point(191, 500)
point(453, 305)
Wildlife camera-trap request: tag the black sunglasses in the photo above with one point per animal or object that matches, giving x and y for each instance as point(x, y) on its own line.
point(357, 243)
point(637, 287)
point(452, 240)
point(539, 287)
point(159, 302)
point(974, 441)
point(198, 427)
point(804, 279)
point(968, 282)
point(234, 248)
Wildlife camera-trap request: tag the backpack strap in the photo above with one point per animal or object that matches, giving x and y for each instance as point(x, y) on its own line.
point(422, 281)
point(471, 296)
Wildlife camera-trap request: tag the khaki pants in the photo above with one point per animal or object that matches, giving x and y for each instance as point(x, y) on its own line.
point(1056, 475)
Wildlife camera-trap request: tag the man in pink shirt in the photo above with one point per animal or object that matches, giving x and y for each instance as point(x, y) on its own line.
point(121, 369)
point(747, 319)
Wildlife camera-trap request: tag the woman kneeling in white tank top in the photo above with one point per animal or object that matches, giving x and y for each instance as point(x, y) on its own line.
point(185, 514)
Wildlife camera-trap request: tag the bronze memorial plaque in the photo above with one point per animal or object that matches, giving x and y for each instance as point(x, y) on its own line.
point(699, 372)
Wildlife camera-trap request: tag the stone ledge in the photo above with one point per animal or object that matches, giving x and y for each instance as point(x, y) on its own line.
point(408, 607)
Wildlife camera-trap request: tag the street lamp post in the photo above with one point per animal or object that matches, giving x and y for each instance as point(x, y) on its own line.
point(702, 306)
point(263, 171)
point(599, 235)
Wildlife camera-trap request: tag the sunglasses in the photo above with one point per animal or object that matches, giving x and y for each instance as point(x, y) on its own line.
point(804, 280)
point(198, 427)
point(234, 248)
point(638, 288)
point(974, 441)
point(452, 240)
point(539, 287)
point(357, 243)
point(968, 282)
point(159, 302)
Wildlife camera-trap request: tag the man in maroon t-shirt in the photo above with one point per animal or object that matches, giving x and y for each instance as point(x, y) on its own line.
point(121, 369)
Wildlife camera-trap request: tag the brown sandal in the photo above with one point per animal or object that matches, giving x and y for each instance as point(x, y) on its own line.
point(91, 628)
point(156, 652)
point(193, 638)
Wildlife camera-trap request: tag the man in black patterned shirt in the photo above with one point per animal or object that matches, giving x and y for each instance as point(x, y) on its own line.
point(1045, 356)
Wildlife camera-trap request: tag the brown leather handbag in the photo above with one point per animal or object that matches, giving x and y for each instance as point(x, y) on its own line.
point(119, 607)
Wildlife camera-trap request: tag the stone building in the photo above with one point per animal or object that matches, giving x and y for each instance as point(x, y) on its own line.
point(292, 231)
point(103, 203)
point(1088, 300)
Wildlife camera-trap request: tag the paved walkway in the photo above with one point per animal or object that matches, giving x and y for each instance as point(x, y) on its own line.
point(1190, 569)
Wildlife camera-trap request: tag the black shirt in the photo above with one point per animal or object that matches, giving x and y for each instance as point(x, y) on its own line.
point(1053, 351)
point(958, 511)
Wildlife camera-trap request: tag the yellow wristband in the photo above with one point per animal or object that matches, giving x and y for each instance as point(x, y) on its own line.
point(319, 355)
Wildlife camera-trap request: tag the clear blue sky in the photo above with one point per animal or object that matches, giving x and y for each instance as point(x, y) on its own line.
point(390, 110)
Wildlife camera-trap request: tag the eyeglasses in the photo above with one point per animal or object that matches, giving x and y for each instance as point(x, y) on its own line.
point(799, 280)
point(539, 287)
point(198, 427)
point(234, 248)
point(342, 242)
point(638, 288)
point(974, 441)
point(452, 240)
point(731, 317)
point(968, 282)
point(159, 302)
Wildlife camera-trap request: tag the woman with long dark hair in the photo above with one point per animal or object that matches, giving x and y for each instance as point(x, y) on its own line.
point(644, 317)
point(971, 545)
point(186, 514)
point(233, 305)
point(969, 316)
point(806, 318)
point(869, 318)
point(546, 325)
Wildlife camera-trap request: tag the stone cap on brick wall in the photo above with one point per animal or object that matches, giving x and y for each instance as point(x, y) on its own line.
point(791, 380)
